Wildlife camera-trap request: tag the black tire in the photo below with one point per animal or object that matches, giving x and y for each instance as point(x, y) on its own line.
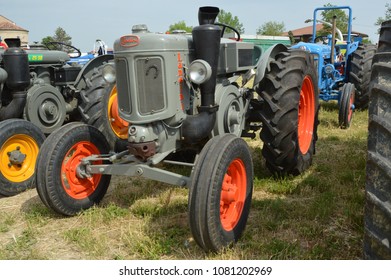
point(346, 105)
point(291, 74)
point(377, 215)
point(94, 109)
point(20, 142)
point(226, 158)
point(360, 73)
point(58, 185)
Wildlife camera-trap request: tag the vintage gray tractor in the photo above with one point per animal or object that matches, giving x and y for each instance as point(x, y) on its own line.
point(377, 222)
point(188, 101)
point(39, 92)
point(344, 66)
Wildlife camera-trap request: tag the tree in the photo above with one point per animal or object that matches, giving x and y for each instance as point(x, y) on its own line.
point(180, 25)
point(228, 19)
point(342, 20)
point(271, 28)
point(59, 36)
point(387, 16)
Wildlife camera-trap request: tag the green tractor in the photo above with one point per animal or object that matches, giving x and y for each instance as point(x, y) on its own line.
point(377, 237)
point(39, 92)
point(189, 100)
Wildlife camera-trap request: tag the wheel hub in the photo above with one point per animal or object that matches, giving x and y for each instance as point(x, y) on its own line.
point(16, 157)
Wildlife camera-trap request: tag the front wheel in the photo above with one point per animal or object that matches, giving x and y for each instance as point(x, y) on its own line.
point(20, 142)
point(289, 113)
point(346, 105)
point(63, 184)
point(220, 193)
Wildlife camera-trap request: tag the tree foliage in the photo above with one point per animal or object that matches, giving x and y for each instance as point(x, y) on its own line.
point(271, 28)
point(180, 25)
point(59, 36)
point(228, 19)
point(387, 16)
point(342, 20)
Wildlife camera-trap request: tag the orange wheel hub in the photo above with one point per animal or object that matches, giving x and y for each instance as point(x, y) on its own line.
point(233, 194)
point(74, 185)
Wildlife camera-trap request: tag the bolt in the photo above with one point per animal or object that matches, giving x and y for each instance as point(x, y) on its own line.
point(9, 164)
point(139, 171)
point(18, 148)
point(9, 154)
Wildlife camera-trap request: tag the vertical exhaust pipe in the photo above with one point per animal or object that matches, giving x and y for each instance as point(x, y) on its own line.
point(206, 40)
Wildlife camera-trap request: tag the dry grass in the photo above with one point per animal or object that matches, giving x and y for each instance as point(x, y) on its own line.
point(314, 216)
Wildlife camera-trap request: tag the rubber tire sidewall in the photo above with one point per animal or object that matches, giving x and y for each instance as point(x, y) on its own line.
point(280, 91)
point(205, 192)
point(49, 164)
point(11, 127)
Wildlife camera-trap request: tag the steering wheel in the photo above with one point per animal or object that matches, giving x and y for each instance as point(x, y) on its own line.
point(324, 39)
point(53, 43)
point(229, 27)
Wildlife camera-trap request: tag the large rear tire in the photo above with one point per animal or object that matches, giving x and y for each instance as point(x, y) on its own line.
point(377, 217)
point(99, 107)
point(290, 112)
point(220, 193)
point(360, 73)
point(20, 142)
point(59, 183)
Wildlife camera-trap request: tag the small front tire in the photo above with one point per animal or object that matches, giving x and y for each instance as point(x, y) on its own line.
point(220, 193)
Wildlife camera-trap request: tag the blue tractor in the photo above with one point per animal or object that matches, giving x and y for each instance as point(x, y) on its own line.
point(343, 65)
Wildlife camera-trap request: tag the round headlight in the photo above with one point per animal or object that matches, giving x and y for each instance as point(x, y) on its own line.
point(200, 71)
point(329, 69)
point(108, 73)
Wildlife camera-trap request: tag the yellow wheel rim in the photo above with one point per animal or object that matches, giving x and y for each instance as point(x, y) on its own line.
point(118, 125)
point(23, 145)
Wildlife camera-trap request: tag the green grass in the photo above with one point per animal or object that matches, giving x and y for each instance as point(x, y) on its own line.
point(317, 215)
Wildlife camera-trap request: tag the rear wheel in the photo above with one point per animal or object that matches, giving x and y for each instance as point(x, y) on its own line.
point(360, 73)
point(346, 105)
point(220, 193)
point(290, 108)
point(377, 215)
point(20, 142)
point(62, 181)
point(99, 108)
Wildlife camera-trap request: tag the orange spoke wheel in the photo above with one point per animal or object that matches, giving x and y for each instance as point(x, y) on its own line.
point(220, 192)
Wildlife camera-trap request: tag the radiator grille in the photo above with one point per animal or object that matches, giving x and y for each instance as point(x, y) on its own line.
point(150, 86)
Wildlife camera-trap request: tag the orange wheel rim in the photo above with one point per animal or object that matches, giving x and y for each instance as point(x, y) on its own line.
point(233, 194)
point(306, 115)
point(117, 124)
point(24, 146)
point(75, 186)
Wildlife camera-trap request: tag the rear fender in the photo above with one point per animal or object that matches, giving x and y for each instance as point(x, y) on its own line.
point(88, 69)
point(264, 61)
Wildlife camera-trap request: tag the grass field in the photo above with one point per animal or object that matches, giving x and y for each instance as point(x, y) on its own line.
point(318, 215)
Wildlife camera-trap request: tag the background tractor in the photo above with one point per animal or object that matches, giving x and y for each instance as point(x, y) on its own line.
point(188, 101)
point(39, 92)
point(343, 64)
point(377, 222)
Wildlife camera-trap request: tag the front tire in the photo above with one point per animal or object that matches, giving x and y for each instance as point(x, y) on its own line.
point(346, 105)
point(220, 193)
point(290, 98)
point(20, 142)
point(59, 183)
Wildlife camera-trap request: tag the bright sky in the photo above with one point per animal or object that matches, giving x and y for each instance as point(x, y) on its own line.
point(86, 20)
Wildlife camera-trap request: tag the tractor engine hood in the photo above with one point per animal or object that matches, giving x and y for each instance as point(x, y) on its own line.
point(320, 50)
